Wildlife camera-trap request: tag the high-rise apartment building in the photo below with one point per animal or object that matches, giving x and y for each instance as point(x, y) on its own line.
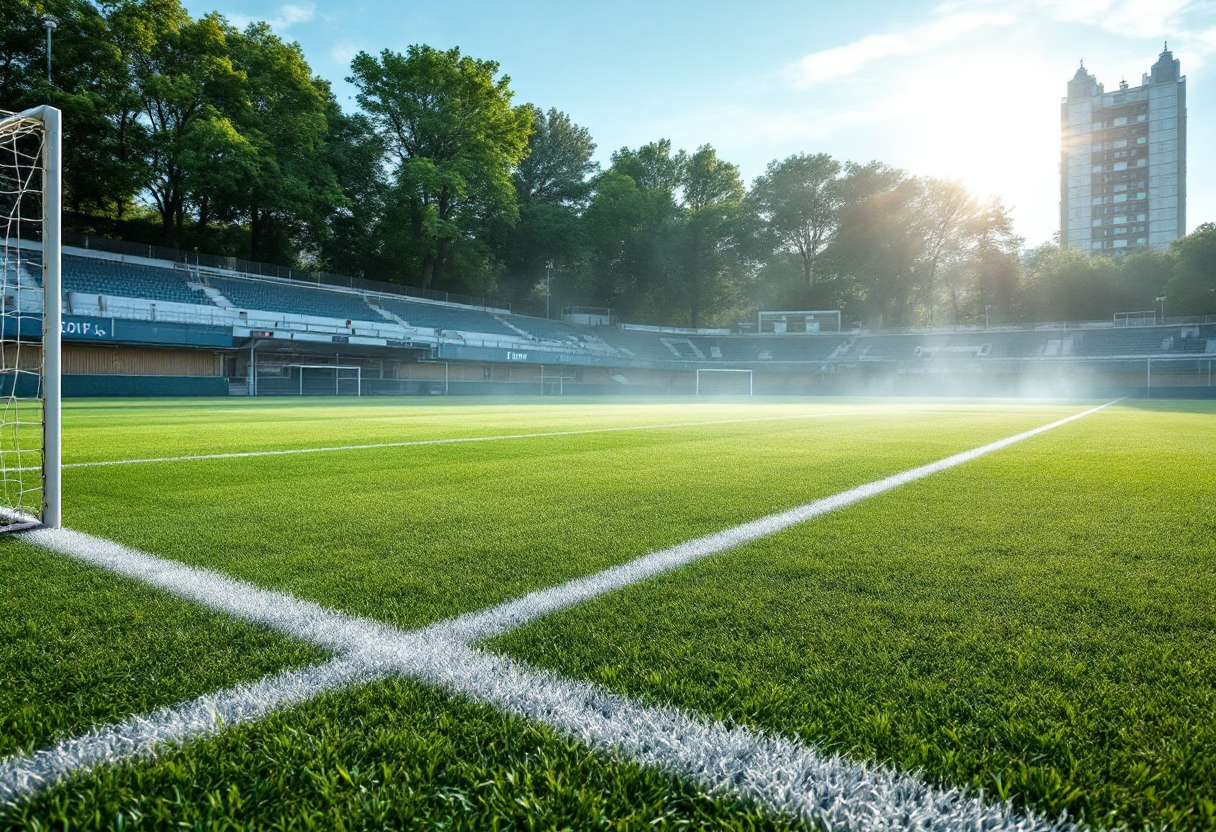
point(1123, 162)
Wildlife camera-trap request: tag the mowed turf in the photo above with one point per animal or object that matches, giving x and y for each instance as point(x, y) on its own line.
point(410, 535)
point(79, 647)
point(389, 755)
point(1039, 624)
point(961, 624)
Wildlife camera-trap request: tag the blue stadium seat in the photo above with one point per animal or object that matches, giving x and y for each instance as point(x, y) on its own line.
point(131, 280)
point(270, 296)
point(439, 316)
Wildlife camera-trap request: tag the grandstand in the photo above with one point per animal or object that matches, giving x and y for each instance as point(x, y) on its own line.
point(290, 298)
point(94, 276)
point(440, 316)
point(177, 328)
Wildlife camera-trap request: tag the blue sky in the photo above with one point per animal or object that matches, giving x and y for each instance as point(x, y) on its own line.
point(966, 90)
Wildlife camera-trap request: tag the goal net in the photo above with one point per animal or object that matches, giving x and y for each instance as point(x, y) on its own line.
point(714, 382)
point(30, 319)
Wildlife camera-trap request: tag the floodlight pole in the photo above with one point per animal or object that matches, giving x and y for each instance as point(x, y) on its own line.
point(548, 286)
point(51, 25)
point(1161, 300)
point(986, 308)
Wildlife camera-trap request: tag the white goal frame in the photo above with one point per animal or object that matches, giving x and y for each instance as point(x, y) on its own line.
point(750, 377)
point(1139, 317)
point(337, 368)
point(805, 315)
point(47, 121)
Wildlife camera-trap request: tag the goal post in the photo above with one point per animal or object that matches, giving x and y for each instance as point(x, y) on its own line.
point(722, 381)
point(30, 318)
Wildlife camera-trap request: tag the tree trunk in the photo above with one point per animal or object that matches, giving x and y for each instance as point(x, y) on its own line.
point(179, 215)
point(165, 208)
point(438, 263)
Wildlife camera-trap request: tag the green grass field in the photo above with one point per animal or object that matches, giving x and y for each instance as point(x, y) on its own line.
point(1038, 623)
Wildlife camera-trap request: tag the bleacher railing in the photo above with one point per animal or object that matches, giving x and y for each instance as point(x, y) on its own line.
point(252, 267)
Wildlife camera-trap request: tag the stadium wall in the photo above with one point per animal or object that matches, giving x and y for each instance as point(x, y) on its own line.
point(109, 385)
point(91, 370)
point(135, 361)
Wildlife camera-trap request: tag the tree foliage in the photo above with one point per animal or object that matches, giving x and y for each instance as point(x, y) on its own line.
point(449, 124)
point(189, 132)
point(799, 200)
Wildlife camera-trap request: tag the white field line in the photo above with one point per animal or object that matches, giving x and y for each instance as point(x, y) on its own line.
point(512, 614)
point(456, 440)
point(785, 776)
point(140, 737)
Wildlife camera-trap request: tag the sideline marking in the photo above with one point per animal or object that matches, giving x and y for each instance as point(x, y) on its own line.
point(787, 777)
point(461, 439)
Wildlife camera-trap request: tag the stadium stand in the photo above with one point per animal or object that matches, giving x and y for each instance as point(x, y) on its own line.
point(790, 348)
point(1129, 341)
point(131, 280)
point(647, 346)
point(171, 307)
point(546, 330)
point(280, 296)
point(443, 316)
point(886, 347)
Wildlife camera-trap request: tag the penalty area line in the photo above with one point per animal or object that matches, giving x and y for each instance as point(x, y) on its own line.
point(787, 777)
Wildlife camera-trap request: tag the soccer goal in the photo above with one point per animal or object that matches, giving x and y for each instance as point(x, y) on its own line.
point(722, 382)
point(347, 379)
point(1144, 317)
point(30, 318)
point(778, 323)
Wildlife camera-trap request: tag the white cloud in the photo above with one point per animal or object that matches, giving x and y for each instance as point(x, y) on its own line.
point(845, 60)
point(288, 15)
point(343, 52)
point(1139, 18)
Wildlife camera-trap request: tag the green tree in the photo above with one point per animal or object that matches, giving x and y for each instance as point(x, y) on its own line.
point(449, 124)
point(711, 268)
point(90, 84)
point(1064, 284)
point(287, 186)
point(190, 92)
point(558, 167)
point(946, 215)
point(1143, 277)
point(633, 226)
point(348, 237)
point(799, 201)
point(1192, 288)
point(552, 186)
point(876, 249)
point(994, 269)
